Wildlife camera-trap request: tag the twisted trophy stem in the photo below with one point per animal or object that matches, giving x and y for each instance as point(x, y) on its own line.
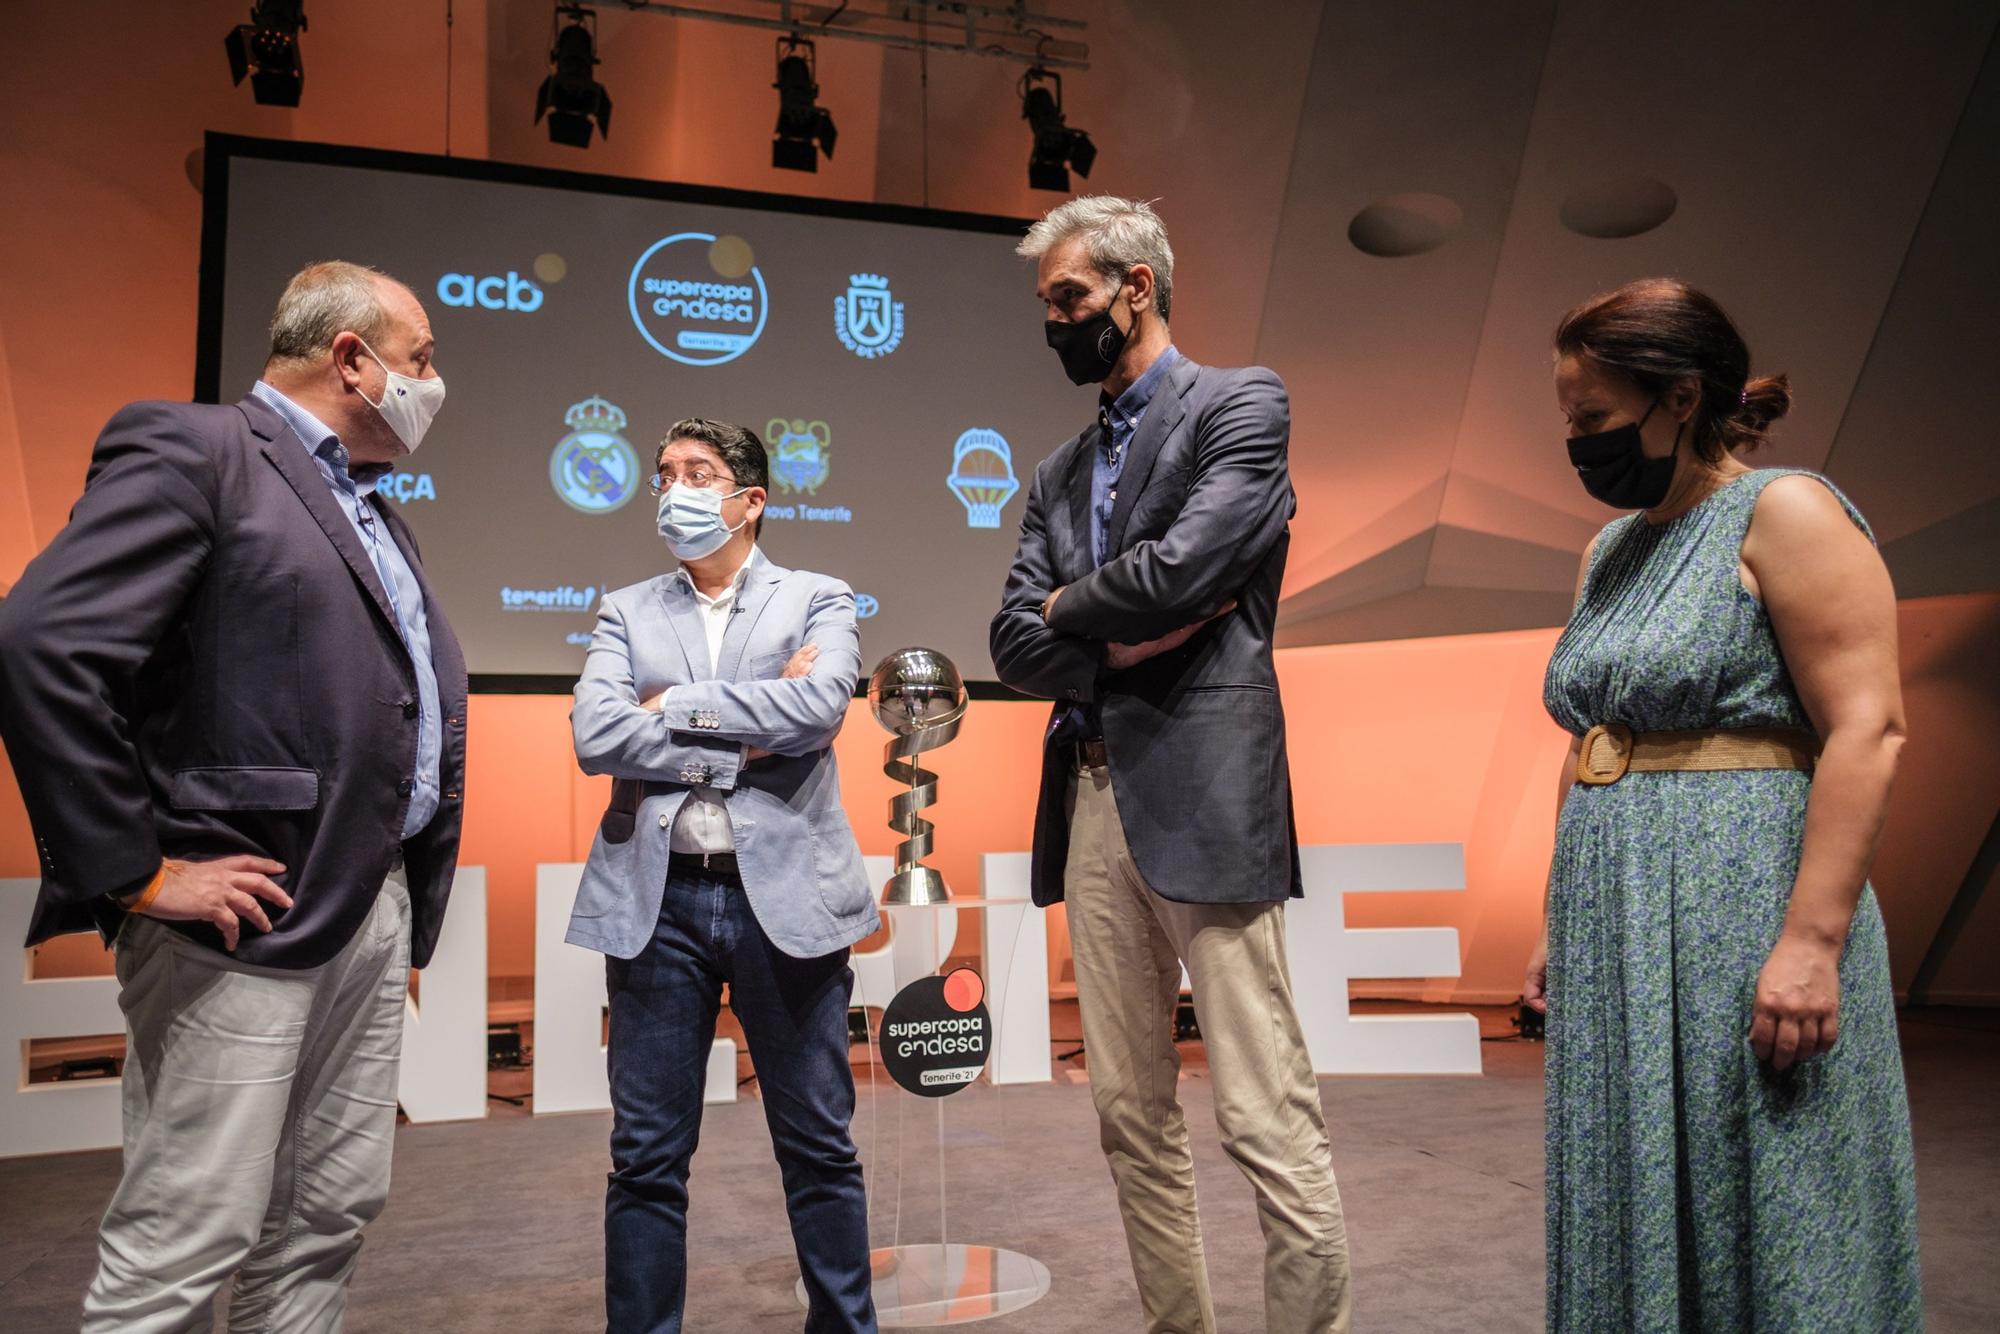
point(912, 881)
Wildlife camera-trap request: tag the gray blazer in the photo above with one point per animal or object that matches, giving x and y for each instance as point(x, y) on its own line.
point(1195, 737)
point(801, 867)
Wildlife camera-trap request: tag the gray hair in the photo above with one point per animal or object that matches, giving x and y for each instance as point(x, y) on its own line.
point(1118, 235)
point(320, 302)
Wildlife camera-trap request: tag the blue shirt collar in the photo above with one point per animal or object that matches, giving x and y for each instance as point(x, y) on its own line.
point(1131, 405)
point(321, 441)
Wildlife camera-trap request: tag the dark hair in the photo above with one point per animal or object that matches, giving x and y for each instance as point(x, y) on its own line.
point(1657, 332)
point(738, 446)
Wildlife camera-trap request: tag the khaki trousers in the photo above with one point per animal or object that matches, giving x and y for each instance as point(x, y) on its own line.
point(260, 1110)
point(1129, 945)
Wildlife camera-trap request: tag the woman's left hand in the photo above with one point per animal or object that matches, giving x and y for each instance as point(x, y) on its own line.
point(1796, 1013)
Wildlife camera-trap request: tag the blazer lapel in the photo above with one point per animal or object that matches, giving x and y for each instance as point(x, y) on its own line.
point(751, 599)
point(1162, 416)
point(1079, 559)
point(294, 463)
point(684, 618)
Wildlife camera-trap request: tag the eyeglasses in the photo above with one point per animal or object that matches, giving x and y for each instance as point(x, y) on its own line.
point(698, 478)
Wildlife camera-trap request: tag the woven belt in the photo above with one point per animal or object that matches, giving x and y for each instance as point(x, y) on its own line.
point(1612, 750)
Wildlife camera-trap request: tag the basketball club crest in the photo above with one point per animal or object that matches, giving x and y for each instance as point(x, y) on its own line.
point(799, 449)
point(868, 320)
point(982, 476)
point(594, 468)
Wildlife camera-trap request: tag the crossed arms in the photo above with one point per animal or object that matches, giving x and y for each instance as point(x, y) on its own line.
point(1152, 597)
point(619, 734)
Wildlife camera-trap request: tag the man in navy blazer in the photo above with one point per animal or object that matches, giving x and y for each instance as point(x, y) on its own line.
point(238, 720)
point(1142, 600)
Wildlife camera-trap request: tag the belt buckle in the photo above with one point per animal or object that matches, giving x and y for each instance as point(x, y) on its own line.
point(1605, 756)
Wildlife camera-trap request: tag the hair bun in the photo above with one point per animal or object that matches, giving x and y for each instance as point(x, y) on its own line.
point(1765, 399)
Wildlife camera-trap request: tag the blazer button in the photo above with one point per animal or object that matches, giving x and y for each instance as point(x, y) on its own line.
point(666, 821)
point(409, 708)
point(405, 788)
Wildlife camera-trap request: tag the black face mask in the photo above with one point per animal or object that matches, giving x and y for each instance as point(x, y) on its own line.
point(1089, 348)
point(1615, 469)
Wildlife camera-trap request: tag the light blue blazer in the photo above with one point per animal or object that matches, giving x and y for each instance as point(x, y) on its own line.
point(801, 867)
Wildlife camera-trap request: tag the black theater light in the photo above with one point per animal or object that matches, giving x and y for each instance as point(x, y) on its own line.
point(802, 122)
point(1058, 149)
point(267, 49)
point(571, 97)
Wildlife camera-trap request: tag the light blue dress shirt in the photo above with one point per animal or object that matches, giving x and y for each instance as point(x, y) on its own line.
point(406, 595)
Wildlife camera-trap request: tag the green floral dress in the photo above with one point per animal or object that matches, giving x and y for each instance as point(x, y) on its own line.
point(1689, 1186)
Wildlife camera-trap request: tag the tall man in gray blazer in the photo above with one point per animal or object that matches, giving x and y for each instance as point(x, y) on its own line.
point(238, 719)
point(1142, 600)
point(712, 695)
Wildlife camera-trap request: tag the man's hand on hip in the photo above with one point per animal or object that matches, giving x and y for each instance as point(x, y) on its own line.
point(223, 893)
point(1118, 657)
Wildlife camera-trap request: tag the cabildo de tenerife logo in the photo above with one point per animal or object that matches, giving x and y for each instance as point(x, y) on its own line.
point(868, 320)
point(594, 469)
point(982, 476)
point(699, 298)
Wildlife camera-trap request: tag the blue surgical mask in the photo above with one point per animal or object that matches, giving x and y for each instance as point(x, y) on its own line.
point(691, 520)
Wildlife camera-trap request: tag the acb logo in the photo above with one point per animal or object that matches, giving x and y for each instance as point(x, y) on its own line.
point(512, 292)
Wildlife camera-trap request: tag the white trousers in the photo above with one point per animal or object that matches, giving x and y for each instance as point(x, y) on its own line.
point(260, 1110)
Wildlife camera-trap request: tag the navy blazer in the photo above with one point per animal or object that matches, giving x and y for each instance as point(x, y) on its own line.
point(1195, 736)
point(204, 662)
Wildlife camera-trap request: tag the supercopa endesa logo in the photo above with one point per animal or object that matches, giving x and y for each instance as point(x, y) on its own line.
point(698, 298)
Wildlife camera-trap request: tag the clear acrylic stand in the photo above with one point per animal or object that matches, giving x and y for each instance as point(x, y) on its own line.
point(930, 1284)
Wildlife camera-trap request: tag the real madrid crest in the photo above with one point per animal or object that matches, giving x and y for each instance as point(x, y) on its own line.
point(799, 450)
point(868, 320)
point(594, 469)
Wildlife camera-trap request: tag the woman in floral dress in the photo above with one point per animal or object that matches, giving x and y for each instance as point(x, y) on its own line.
point(1728, 1134)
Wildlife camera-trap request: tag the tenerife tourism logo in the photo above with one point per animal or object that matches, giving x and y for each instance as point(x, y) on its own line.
point(698, 298)
point(868, 320)
point(865, 606)
point(799, 459)
point(594, 469)
point(982, 476)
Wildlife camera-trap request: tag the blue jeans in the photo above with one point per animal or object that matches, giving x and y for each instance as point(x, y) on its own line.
point(794, 1016)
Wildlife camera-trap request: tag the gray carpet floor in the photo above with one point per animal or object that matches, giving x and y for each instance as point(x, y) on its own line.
point(494, 1225)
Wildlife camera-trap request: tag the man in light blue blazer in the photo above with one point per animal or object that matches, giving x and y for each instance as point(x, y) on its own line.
point(712, 695)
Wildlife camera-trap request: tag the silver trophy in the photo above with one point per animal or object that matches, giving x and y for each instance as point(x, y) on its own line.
point(917, 694)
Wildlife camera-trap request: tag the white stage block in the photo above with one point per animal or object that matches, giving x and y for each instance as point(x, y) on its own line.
point(443, 1073)
point(1017, 972)
point(570, 999)
point(52, 1118)
point(1324, 955)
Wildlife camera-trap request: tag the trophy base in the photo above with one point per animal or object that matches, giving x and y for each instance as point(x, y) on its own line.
point(915, 886)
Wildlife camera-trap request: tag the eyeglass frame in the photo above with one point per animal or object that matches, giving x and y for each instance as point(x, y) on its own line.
point(661, 480)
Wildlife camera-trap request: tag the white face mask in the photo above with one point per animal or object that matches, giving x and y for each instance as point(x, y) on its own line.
point(691, 520)
point(408, 404)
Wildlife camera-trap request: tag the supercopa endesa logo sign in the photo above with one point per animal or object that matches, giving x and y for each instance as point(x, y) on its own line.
point(699, 298)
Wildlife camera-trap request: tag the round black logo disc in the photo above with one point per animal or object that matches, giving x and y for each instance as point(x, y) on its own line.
point(937, 1034)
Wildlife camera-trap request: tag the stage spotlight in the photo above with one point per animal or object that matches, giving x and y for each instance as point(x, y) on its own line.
point(571, 96)
point(1058, 149)
point(802, 123)
point(267, 49)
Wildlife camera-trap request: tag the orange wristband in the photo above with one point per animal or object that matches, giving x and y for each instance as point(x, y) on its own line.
point(152, 891)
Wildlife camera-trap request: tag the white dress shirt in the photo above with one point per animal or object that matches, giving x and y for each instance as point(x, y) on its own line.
point(702, 823)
